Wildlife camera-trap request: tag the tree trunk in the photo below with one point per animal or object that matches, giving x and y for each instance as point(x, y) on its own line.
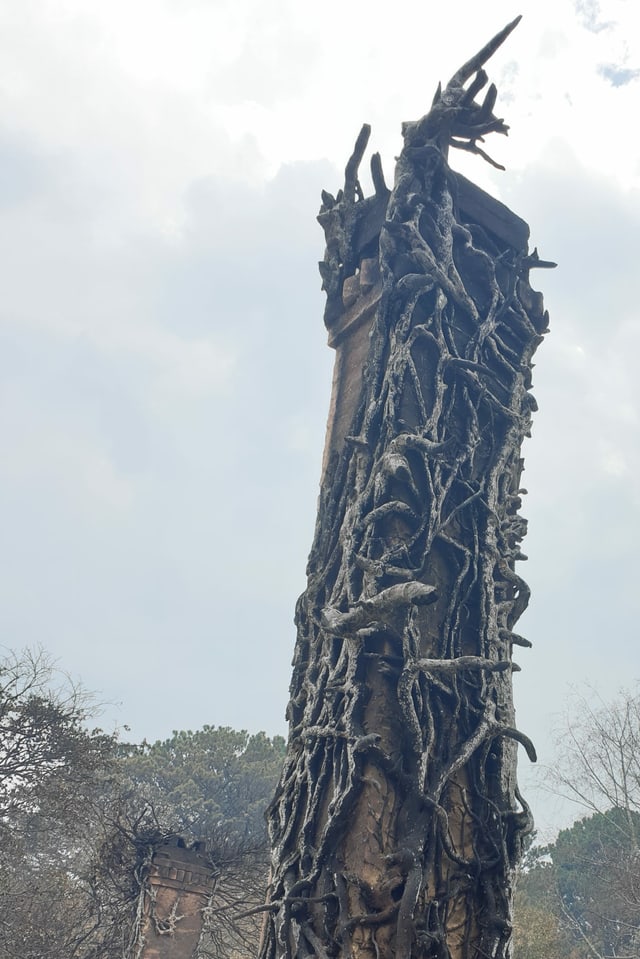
point(397, 823)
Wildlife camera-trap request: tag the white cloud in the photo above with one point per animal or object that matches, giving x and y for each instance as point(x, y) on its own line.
point(590, 15)
point(56, 453)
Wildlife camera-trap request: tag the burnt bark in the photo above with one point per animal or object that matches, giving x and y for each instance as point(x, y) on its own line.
point(397, 823)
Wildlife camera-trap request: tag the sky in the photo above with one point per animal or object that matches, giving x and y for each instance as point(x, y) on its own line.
point(164, 374)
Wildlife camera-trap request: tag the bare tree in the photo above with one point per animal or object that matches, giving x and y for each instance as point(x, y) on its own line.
point(598, 761)
point(596, 863)
point(54, 773)
point(46, 751)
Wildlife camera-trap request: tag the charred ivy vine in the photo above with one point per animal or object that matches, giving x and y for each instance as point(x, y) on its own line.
point(397, 823)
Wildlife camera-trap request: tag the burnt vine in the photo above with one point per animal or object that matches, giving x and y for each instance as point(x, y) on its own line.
point(397, 823)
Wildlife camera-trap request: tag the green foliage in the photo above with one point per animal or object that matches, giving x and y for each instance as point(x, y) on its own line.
point(581, 894)
point(541, 930)
point(537, 931)
point(598, 876)
point(212, 782)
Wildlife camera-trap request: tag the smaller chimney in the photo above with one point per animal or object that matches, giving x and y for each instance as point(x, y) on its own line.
point(177, 888)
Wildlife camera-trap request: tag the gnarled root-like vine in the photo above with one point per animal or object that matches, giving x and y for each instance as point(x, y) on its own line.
point(397, 823)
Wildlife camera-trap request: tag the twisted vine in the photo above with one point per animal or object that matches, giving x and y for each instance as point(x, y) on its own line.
point(397, 823)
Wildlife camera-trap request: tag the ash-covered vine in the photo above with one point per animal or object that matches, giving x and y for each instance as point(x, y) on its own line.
point(397, 823)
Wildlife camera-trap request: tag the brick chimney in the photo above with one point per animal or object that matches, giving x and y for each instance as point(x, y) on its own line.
point(177, 889)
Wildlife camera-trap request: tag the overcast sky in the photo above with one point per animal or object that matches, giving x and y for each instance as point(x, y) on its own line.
point(164, 371)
